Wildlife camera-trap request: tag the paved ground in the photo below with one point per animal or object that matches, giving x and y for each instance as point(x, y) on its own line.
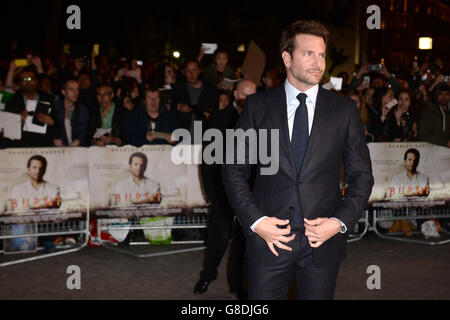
point(408, 271)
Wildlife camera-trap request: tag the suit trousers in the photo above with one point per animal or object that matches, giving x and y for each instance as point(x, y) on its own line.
point(269, 276)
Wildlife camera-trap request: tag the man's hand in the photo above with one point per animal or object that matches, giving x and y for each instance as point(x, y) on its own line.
point(274, 236)
point(23, 115)
point(44, 118)
point(57, 142)
point(320, 230)
point(184, 108)
point(75, 143)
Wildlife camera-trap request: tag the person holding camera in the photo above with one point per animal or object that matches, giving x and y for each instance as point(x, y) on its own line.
point(401, 123)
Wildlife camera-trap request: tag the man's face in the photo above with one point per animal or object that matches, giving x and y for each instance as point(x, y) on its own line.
point(443, 97)
point(105, 97)
point(192, 72)
point(410, 162)
point(36, 170)
point(137, 167)
point(152, 101)
point(307, 62)
point(84, 81)
point(29, 82)
point(72, 91)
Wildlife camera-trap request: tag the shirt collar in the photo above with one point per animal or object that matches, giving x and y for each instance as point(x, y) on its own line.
point(292, 93)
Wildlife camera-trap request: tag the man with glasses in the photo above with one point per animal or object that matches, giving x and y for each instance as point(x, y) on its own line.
point(38, 114)
point(109, 118)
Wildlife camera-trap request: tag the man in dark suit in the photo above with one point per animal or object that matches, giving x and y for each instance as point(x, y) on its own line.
point(295, 220)
point(36, 109)
point(193, 99)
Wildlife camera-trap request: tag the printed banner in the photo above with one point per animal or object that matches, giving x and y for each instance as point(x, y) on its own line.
point(43, 185)
point(410, 174)
point(142, 182)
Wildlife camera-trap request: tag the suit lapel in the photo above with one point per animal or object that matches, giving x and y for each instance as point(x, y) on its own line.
point(278, 116)
point(322, 111)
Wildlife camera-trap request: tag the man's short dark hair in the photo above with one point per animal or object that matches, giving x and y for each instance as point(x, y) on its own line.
point(311, 27)
point(64, 84)
point(139, 155)
point(28, 69)
point(414, 152)
point(39, 158)
point(104, 85)
point(192, 61)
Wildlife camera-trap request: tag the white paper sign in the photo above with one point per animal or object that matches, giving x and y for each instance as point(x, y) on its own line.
point(10, 123)
point(337, 83)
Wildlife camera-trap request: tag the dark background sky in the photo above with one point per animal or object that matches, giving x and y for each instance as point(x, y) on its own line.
point(147, 29)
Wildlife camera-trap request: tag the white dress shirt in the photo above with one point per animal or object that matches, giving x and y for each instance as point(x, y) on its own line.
point(292, 104)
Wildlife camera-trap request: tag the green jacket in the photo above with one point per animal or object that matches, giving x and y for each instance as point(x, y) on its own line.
point(431, 126)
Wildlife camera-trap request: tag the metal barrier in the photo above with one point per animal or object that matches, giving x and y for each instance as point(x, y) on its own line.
point(181, 222)
point(364, 220)
point(411, 211)
point(45, 229)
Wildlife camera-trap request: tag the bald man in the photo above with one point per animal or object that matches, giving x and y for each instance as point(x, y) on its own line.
point(221, 226)
point(244, 88)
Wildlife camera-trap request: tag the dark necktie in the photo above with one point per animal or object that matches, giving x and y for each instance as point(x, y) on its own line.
point(299, 143)
point(300, 132)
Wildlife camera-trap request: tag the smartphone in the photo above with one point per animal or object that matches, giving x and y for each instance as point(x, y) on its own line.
point(21, 62)
point(391, 103)
point(96, 49)
point(140, 63)
point(209, 47)
point(367, 79)
point(374, 67)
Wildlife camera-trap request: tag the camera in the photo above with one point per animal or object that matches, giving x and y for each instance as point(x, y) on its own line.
point(374, 67)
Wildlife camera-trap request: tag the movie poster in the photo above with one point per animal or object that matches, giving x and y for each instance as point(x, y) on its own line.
point(410, 174)
point(142, 182)
point(43, 185)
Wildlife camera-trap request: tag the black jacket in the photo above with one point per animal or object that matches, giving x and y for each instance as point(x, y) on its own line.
point(32, 139)
point(337, 134)
point(208, 101)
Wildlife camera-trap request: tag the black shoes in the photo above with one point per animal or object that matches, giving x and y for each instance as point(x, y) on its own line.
point(201, 286)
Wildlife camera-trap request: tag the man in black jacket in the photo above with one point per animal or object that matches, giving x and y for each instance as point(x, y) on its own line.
point(37, 110)
point(193, 99)
point(73, 117)
point(295, 219)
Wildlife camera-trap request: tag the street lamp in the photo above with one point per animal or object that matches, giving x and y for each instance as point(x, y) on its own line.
point(425, 43)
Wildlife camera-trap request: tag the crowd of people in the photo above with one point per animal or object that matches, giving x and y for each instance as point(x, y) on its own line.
point(100, 102)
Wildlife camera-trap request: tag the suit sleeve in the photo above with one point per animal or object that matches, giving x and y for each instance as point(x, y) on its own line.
point(357, 172)
point(235, 177)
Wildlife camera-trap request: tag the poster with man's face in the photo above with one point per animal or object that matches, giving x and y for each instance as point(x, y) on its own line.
point(129, 181)
point(43, 184)
point(410, 172)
